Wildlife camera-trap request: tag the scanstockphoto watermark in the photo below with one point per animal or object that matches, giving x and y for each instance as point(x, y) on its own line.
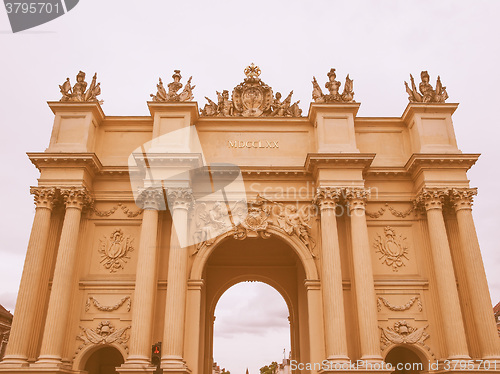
point(26, 14)
point(175, 165)
point(463, 365)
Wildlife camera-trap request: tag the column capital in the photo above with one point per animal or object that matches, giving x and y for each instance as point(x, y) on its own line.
point(151, 198)
point(76, 197)
point(431, 198)
point(462, 198)
point(180, 198)
point(327, 197)
point(356, 197)
point(45, 197)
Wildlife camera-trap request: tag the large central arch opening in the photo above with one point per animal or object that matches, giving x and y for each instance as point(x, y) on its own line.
point(271, 264)
point(251, 328)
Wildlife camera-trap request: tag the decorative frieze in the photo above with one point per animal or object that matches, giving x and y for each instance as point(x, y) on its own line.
point(392, 248)
point(114, 250)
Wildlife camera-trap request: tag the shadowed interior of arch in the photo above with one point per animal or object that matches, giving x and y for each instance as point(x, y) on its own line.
point(104, 361)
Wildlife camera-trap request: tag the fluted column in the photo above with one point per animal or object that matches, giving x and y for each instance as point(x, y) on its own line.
point(180, 201)
point(474, 272)
point(75, 199)
point(151, 200)
point(331, 276)
point(192, 354)
point(313, 288)
point(363, 276)
point(26, 308)
point(451, 315)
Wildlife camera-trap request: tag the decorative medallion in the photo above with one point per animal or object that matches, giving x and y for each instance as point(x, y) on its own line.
point(392, 248)
point(105, 333)
point(251, 98)
point(114, 250)
point(403, 333)
point(427, 93)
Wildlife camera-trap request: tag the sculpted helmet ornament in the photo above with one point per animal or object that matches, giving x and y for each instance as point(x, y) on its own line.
point(251, 98)
point(79, 91)
point(173, 88)
point(333, 87)
point(427, 94)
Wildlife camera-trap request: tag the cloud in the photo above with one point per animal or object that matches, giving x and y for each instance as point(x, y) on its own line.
point(250, 308)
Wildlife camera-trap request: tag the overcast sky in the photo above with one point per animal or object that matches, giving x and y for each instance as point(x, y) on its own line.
point(131, 43)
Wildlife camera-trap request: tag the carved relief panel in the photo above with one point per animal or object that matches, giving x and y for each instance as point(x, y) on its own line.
point(393, 249)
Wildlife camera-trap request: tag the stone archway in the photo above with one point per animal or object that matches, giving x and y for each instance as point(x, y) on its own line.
point(406, 360)
point(103, 360)
point(273, 261)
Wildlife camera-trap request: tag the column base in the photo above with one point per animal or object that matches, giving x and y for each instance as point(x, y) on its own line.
point(37, 370)
point(136, 365)
point(14, 361)
point(174, 365)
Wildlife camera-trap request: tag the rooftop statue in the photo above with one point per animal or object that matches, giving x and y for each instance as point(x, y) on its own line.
point(333, 87)
point(251, 98)
point(79, 91)
point(173, 88)
point(427, 93)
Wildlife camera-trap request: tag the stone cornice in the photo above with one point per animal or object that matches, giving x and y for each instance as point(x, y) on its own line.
point(419, 161)
point(170, 159)
point(314, 108)
point(71, 106)
point(88, 161)
point(412, 108)
point(190, 107)
point(338, 160)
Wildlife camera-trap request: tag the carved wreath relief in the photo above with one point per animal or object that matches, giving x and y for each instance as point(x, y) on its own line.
point(393, 249)
point(104, 308)
point(114, 250)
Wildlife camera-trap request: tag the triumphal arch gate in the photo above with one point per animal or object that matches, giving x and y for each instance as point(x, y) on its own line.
point(363, 225)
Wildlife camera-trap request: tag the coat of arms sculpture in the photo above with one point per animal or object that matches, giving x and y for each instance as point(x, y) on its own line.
point(252, 98)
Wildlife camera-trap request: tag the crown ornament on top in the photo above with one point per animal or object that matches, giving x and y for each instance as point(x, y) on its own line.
point(427, 93)
point(333, 87)
point(251, 98)
point(79, 91)
point(173, 88)
point(252, 71)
